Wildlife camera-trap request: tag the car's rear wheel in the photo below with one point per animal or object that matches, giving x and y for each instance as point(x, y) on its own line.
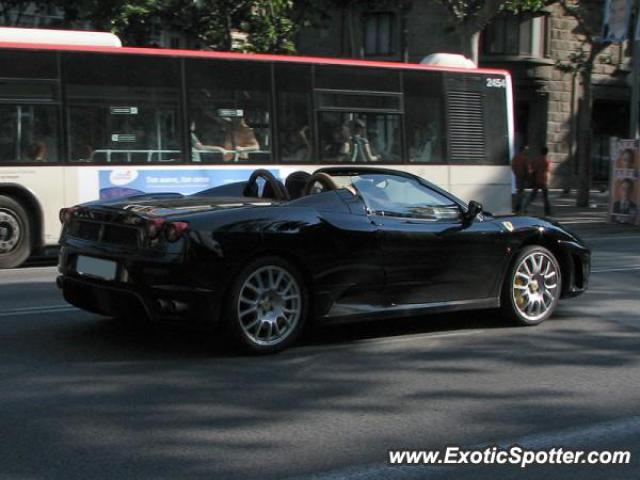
point(15, 233)
point(532, 289)
point(267, 305)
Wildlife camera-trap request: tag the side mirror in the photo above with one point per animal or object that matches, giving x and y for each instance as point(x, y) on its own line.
point(473, 210)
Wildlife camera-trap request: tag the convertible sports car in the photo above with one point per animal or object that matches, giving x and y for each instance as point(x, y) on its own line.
point(263, 259)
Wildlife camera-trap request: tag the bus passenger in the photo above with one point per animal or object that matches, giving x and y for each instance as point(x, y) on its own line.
point(297, 147)
point(240, 139)
point(198, 147)
point(360, 149)
point(337, 148)
point(37, 152)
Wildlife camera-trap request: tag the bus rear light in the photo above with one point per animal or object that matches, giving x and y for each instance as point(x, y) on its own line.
point(66, 214)
point(175, 230)
point(154, 227)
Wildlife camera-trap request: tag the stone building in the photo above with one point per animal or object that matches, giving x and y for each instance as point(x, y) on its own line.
point(529, 46)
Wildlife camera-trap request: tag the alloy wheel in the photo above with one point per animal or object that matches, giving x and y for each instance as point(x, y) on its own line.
point(269, 305)
point(535, 285)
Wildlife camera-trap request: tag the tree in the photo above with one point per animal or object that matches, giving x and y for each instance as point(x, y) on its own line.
point(265, 24)
point(100, 13)
point(471, 17)
point(212, 22)
point(272, 27)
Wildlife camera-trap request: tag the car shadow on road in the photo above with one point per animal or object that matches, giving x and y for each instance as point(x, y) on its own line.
point(168, 403)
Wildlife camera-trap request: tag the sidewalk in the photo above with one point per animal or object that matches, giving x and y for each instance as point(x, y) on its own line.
point(564, 210)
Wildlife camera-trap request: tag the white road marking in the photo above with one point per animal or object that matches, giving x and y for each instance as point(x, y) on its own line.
point(610, 238)
point(30, 269)
point(14, 312)
point(577, 222)
point(43, 307)
point(616, 269)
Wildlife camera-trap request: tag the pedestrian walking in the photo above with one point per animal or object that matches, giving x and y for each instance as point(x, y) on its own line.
point(520, 168)
point(540, 178)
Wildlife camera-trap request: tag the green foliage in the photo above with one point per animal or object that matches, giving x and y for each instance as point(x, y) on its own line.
point(266, 25)
point(271, 27)
point(575, 62)
point(212, 22)
point(134, 21)
point(588, 18)
point(521, 6)
point(483, 11)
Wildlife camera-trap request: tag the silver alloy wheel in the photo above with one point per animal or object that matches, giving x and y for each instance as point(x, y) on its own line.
point(10, 231)
point(269, 305)
point(535, 286)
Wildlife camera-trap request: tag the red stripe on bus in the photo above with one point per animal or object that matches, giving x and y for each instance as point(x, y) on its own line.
point(247, 56)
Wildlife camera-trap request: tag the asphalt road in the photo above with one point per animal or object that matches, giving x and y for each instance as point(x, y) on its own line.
point(89, 398)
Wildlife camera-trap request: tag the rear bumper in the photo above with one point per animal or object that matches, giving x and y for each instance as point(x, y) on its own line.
point(171, 304)
point(159, 290)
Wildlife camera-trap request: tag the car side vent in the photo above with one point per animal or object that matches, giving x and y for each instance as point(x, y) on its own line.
point(466, 127)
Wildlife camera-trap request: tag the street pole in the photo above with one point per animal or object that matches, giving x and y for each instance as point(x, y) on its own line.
point(635, 79)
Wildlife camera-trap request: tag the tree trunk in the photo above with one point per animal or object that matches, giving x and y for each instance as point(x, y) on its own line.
point(584, 139)
point(228, 28)
point(353, 51)
point(469, 42)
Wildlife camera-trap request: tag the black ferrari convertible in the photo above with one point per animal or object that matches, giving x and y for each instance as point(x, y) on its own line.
point(262, 259)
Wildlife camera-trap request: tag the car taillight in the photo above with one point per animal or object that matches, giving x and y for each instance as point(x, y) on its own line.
point(154, 227)
point(175, 230)
point(66, 214)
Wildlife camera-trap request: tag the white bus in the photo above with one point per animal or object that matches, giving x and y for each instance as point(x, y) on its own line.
point(84, 118)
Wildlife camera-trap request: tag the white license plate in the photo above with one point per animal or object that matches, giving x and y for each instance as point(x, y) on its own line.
point(96, 267)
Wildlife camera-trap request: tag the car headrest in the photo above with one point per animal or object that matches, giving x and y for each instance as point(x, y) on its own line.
point(295, 183)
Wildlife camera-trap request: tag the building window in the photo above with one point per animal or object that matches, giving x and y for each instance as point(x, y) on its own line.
point(516, 35)
point(379, 33)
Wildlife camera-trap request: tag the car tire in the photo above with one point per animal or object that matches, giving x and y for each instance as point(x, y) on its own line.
point(15, 233)
point(532, 287)
point(267, 306)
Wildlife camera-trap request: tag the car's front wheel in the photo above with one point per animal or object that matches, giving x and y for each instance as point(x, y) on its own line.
point(532, 288)
point(267, 305)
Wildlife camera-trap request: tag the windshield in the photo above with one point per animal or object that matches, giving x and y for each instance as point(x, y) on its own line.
point(399, 196)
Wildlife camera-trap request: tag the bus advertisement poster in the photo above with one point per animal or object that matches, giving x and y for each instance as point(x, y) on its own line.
point(122, 182)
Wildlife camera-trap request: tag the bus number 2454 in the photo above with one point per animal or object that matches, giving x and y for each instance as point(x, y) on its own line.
point(496, 83)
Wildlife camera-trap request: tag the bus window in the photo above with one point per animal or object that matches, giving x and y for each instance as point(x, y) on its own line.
point(123, 118)
point(352, 78)
point(295, 107)
point(424, 117)
point(359, 137)
point(28, 133)
point(28, 64)
point(229, 115)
